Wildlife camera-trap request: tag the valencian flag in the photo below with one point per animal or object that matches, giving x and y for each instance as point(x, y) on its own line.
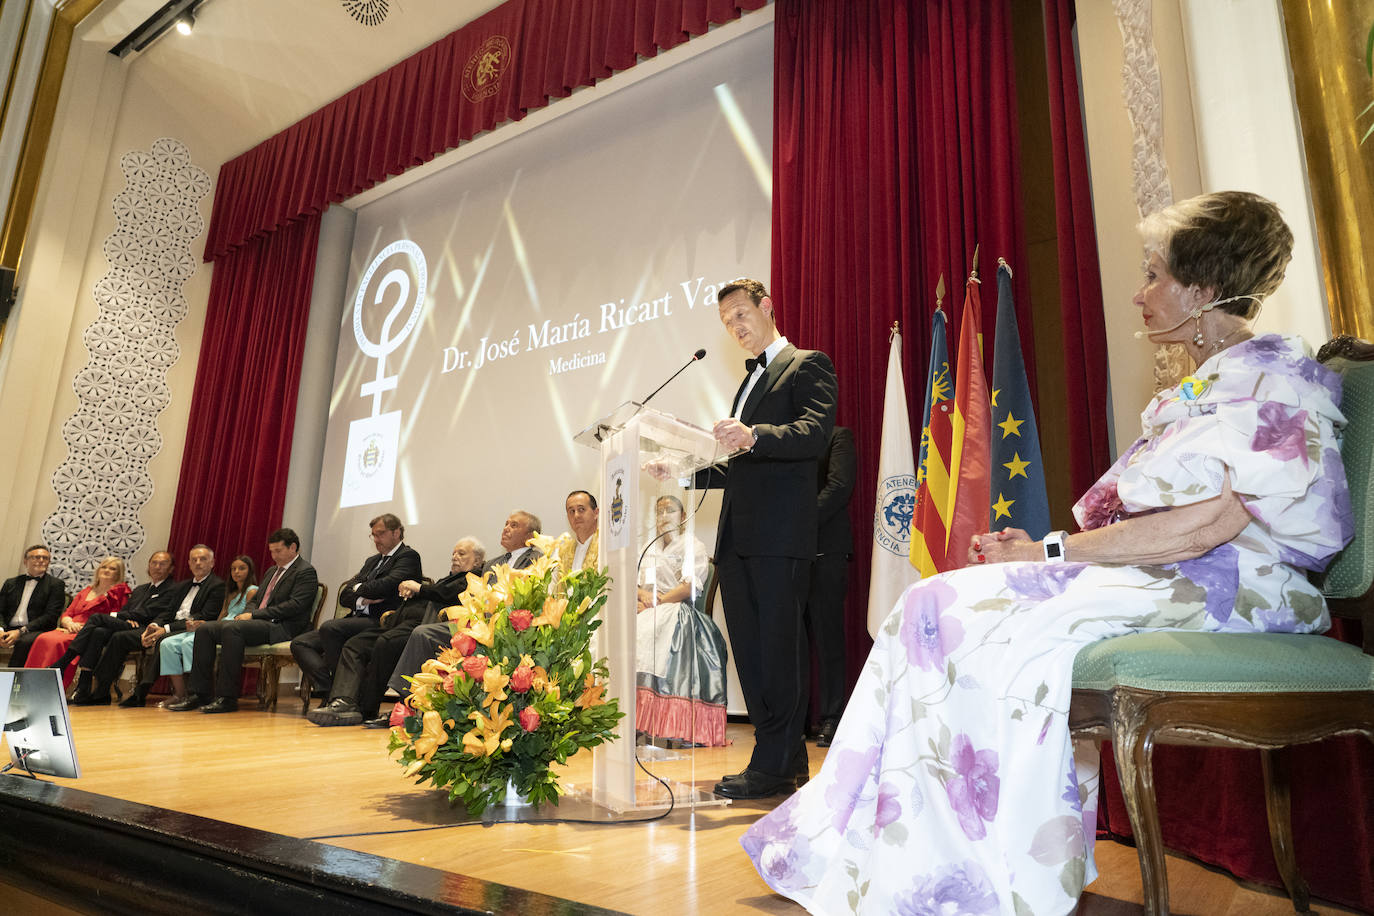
point(890, 573)
point(1018, 476)
point(970, 436)
point(932, 466)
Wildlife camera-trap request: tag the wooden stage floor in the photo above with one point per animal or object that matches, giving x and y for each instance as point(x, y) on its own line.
point(277, 772)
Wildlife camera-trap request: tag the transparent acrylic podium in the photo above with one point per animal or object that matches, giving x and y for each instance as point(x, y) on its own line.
point(644, 518)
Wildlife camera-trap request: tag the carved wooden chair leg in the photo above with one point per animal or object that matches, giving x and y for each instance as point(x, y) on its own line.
point(1133, 745)
point(1279, 804)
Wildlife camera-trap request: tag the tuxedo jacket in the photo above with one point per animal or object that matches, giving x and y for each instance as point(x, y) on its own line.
point(206, 605)
point(424, 606)
point(529, 557)
point(402, 565)
point(290, 605)
point(769, 504)
point(143, 605)
point(46, 604)
point(835, 473)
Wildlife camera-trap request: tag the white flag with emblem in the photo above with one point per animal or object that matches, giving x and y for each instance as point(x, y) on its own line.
point(892, 571)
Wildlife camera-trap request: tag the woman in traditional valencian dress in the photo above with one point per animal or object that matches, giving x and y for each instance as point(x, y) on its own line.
point(106, 594)
point(953, 785)
point(679, 651)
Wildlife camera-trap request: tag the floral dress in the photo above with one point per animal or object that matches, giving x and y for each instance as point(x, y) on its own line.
point(953, 785)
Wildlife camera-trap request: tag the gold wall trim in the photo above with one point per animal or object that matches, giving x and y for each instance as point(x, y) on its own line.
point(1326, 45)
point(38, 131)
point(14, 65)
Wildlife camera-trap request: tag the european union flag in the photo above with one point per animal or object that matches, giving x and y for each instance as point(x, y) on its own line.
point(1018, 477)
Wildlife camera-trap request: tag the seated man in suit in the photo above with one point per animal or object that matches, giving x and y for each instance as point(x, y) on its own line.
point(30, 604)
point(368, 658)
point(577, 548)
point(426, 640)
point(101, 629)
point(280, 611)
point(368, 595)
point(199, 598)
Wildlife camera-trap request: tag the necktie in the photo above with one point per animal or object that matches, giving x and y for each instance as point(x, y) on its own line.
point(267, 592)
point(758, 362)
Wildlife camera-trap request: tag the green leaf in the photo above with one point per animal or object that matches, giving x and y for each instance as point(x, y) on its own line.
point(1308, 607)
point(992, 604)
point(945, 738)
point(895, 834)
point(1071, 878)
point(1247, 599)
point(1040, 693)
point(1017, 714)
point(918, 711)
point(1369, 52)
point(950, 673)
point(1021, 907)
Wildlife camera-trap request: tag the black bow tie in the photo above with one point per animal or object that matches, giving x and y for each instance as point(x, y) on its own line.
point(34, 578)
point(758, 362)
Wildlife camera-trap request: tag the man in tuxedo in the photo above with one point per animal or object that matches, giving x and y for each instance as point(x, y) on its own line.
point(367, 658)
point(103, 630)
point(280, 610)
point(30, 604)
point(368, 595)
point(779, 424)
point(835, 473)
point(426, 640)
point(187, 605)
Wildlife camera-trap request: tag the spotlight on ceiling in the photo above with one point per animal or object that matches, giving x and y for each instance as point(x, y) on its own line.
point(186, 23)
point(178, 14)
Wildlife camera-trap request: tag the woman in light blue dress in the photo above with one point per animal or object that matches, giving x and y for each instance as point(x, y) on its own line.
point(175, 651)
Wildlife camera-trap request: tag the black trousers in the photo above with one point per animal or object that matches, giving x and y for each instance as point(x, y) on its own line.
point(424, 643)
point(111, 662)
point(231, 637)
point(825, 631)
point(318, 651)
point(88, 644)
point(20, 653)
point(367, 662)
point(764, 602)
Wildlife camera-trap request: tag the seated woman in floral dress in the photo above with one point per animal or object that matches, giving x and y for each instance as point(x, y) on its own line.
point(953, 785)
point(679, 651)
point(106, 594)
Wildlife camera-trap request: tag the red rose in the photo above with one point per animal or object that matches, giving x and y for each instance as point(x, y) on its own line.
point(529, 719)
point(521, 678)
point(474, 666)
point(448, 683)
point(465, 644)
point(521, 619)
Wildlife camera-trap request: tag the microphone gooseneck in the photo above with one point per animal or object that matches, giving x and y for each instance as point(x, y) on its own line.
point(695, 357)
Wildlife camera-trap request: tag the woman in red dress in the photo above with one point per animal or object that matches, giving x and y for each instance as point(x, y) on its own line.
point(106, 594)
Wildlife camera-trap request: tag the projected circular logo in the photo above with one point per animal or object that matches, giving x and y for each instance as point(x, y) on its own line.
point(484, 69)
point(370, 458)
point(386, 341)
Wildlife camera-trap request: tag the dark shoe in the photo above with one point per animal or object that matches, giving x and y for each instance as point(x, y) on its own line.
point(135, 698)
point(754, 784)
point(83, 686)
point(827, 733)
point(192, 701)
point(801, 769)
point(339, 711)
point(92, 700)
point(223, 704)
point(383, 721)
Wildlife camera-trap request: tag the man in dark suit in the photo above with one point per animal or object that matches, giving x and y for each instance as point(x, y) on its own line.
point(779, 424)
point(835, 474)
point(368, 595)
point(30, 604)
point(101, 630)
point(368, 658)
point(186, 605)
point(280, 610)
point(426, 640)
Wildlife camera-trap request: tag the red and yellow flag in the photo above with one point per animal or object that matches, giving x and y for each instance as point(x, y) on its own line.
point(928, 524)
point(970, 472)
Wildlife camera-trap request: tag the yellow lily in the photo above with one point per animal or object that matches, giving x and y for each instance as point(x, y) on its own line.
point(494, 683)
point(552, 613)
point(432, 735)
point(592, 693)
point(481, 631)
point(486, 737)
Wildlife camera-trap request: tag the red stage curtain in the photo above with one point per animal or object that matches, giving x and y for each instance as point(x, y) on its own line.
point(243, 408)
point(1080, 284)
point(895, 151)
point(430, 102)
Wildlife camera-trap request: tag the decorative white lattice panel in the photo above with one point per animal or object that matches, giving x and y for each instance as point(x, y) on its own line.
point(104, 483)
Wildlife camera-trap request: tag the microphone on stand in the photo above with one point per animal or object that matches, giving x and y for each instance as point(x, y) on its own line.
point(695, 356)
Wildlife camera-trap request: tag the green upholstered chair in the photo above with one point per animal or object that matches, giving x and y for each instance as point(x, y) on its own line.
point(1264, 691)
point(271, 658)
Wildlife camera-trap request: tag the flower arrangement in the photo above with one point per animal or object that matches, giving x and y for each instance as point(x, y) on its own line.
point(515, 691)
